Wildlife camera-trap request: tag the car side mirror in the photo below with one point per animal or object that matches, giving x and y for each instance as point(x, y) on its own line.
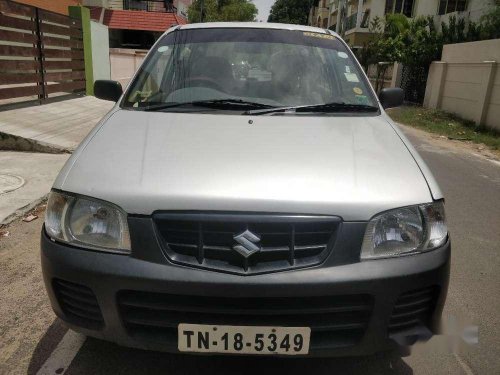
point(108, 90)
point(391, 97)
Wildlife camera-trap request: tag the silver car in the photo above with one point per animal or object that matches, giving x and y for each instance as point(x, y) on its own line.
point(248, 195)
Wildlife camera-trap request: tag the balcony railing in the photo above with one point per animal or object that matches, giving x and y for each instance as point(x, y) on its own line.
point(162, 6)
point(350, 22)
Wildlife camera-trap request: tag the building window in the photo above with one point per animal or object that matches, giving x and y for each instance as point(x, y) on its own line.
point(135, 5)
point(400, 6)
point(448, 6)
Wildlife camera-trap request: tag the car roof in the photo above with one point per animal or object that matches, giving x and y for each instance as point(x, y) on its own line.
point(253, 25)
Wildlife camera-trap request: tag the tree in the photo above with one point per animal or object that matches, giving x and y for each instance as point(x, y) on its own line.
point(386, 46)
point(490, 23)
point(416, 43)
point(422, 43)
point(290, 11)
point(396, 24)
point(222, 11)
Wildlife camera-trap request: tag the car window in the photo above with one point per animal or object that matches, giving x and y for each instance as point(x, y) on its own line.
point(272, 67)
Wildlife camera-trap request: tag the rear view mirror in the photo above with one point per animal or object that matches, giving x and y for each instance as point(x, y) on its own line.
point(391, 97)
point(108, 90)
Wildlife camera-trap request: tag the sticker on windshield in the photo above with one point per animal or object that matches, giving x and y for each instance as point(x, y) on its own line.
point(319, 35)
point(357, 91)
point(362, 99)
point(163, 49)
point(342, 55)
point(351, 77)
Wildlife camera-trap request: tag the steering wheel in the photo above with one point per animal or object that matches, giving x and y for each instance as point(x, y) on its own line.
point(205, 82)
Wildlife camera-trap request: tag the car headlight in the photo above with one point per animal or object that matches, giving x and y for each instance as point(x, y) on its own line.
point(406, 230)
point(87, 223)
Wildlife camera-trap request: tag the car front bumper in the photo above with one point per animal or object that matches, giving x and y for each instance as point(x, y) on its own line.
point(137, 301)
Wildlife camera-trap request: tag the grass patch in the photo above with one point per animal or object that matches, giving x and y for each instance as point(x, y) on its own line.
point(446, 124)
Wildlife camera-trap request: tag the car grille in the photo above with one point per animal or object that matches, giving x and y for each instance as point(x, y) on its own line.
point(79, 304)
point(413, 309)
point(335, 321)
point(283, 242)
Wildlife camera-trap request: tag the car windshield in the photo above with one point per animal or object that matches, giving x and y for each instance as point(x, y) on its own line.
point(244, 69)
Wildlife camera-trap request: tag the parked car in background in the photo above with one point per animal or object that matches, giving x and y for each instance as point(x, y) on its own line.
point(217, 210)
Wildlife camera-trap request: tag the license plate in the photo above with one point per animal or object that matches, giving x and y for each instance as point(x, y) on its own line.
point(203, 338)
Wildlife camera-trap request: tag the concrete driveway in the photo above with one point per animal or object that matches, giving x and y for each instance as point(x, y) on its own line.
point(32, 340)
point(61, 125)
point(26, 177)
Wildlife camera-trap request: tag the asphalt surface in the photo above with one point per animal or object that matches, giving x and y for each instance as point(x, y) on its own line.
point(29, 332)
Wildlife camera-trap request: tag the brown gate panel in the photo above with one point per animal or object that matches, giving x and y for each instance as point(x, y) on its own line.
point(18, 23)
point(15, 8)
point(41, 53)
point(11, 78)
point(17, 37)
point(20, 73)
point(18, 65)
point(62, 43)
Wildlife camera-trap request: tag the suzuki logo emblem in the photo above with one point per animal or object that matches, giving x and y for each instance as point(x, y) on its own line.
point(247, 243)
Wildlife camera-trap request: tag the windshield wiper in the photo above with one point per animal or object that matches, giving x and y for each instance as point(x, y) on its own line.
point(212, 103)
point(327, 107)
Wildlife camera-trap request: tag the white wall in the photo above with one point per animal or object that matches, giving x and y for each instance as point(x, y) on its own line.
point(115, 4)
point(100, 50)
point(124, 63)
point(472, 52)
point(377, 8)
point(475, 8)
point(467, 82)
point(182, 7)
point(96, 3)
point(426, 8)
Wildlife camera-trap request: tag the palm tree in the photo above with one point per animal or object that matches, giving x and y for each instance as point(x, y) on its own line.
point(396, 23)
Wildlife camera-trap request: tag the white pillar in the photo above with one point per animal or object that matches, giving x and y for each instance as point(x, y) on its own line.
point(329, 15)
point(339, 8)
point(438, 70)
point(360, 13)
point(397, 74)
point(485, 91)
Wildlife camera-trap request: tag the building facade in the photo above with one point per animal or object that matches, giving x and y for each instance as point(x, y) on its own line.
point(56, 6)
point(137, 24)
point(351, 18)
point(318, 15)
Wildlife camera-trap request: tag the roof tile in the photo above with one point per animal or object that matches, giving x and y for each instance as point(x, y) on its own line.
point(138, 20)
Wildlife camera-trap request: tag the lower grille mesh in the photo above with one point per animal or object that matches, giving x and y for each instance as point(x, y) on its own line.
point(413, 309)
point(336, 321)
point(79, 304)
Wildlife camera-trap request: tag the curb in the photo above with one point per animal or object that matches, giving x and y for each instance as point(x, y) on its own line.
point(10, 142)
point(20, 212)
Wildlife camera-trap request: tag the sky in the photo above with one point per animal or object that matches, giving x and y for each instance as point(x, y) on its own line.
point(264, 6)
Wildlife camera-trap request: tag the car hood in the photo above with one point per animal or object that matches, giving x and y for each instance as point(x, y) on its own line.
point(352, 167)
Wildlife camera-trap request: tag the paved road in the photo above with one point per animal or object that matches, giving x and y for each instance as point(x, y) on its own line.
point(29, 333)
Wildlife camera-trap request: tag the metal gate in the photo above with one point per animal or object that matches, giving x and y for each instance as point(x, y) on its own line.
point(413, 81)
point(41, 54)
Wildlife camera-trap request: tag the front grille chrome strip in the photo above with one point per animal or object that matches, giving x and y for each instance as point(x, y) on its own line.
point(245, 243)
